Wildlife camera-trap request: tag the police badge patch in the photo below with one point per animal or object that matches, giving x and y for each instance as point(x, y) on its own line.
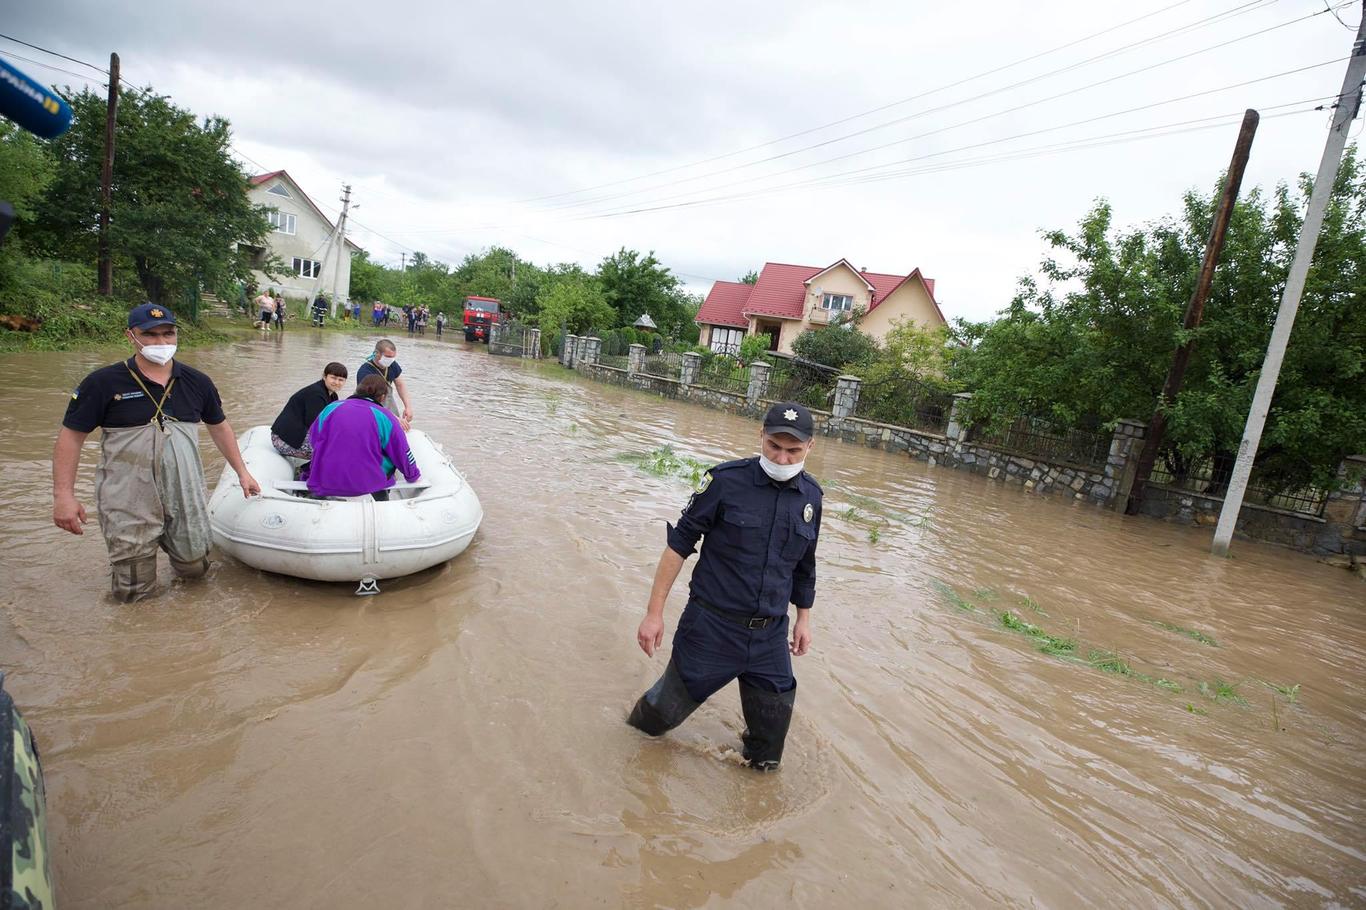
point(808, 512)
point(703, 482)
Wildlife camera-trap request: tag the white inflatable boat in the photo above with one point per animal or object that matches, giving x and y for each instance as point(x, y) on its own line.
point(356, 539)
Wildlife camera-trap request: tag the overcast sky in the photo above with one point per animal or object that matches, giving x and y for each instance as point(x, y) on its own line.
point(547, 127)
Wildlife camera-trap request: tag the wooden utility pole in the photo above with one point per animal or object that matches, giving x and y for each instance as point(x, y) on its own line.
point(106, 259)
point(1344, 112)
point(1195, 310)
point(341, 248)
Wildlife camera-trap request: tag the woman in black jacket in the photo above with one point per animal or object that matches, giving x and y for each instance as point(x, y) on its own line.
point(289, 432)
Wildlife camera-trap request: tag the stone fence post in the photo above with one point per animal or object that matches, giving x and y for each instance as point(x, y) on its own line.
point(1122, 463)
point(592, 349)
point(846, 396)
point(635, 359)
point(534, 340)
point(1346, 505)
point(758, 381)
point(692, 365)
point(958, 428)
point(567, 352)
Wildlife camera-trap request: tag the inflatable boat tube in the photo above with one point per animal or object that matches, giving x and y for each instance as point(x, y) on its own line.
point(285, 531)
point(25, 878)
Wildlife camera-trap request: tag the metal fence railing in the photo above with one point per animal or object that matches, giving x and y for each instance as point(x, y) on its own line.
point(666, 366)
point(1087, 445)
point(724, 374)
point(802, 381)
point(509, 338)
point(1209, 476)
point(905, 401)
point(619, 361)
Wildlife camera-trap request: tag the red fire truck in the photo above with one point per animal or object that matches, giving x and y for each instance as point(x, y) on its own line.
point(480, 315)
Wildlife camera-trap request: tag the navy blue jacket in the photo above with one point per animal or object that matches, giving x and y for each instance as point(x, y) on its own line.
point(758, 539)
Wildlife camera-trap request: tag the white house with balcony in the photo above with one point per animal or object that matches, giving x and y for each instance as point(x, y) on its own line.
point(789, 299)
point(305, 240)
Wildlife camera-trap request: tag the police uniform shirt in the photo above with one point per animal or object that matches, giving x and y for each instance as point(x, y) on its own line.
point(758, 539)
point(111, 397)
point(369, 369)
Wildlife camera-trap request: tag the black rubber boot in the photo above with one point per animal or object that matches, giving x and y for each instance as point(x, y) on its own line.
point(767, 717)
point(664, 705)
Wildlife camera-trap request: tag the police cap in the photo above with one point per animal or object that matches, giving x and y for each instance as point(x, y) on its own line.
point(790, 418)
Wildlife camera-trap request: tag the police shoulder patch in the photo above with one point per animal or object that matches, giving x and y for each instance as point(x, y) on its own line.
point(703, 482)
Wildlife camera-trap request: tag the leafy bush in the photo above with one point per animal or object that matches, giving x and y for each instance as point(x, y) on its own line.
point(836, 346)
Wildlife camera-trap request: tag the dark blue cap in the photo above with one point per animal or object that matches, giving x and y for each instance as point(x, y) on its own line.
point(149, 315)
point(790, 418)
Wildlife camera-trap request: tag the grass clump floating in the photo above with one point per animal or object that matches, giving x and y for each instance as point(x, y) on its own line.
point(663, 462)
point(1109, 662)
point(1193, 634)
point(952, 597)
point(1222, 691)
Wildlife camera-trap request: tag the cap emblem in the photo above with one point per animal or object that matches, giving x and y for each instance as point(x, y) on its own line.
point(790, 414)
point(157, 314)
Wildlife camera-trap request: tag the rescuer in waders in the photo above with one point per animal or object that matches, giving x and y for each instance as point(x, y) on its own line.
point(383, 362)
point(149, 486)
point(758, 519)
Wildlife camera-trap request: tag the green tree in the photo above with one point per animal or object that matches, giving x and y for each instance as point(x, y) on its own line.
point(575, 302)
point(1096, 333)
point(750, 277)
point(181, 216)
point(839, 346)
point(633, 284)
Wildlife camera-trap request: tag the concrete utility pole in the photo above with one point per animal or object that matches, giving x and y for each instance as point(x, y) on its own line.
point(403, 262)
point(106, 259)
point(1195, 310)
point(341, 247)
point(1344, 112)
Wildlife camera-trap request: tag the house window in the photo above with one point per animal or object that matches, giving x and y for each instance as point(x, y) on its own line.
point(281, 222)
point(279, 190)
point(307, 268)
point(842, 302)
point(726, 341)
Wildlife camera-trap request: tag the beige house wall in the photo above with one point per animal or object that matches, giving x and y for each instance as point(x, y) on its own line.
point(909, 302)
point(307, 242)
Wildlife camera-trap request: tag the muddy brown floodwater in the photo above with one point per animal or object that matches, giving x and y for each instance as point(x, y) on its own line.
point(258, 741)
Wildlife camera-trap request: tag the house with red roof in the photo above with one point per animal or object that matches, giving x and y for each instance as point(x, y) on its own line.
point(789, 299)
point(304, 239)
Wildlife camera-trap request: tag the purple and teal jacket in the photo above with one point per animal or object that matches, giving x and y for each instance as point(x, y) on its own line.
point(356, 446)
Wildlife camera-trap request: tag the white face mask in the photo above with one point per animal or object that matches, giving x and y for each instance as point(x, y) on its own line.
point(385, 360)
point(780, 471)
point(157, 353)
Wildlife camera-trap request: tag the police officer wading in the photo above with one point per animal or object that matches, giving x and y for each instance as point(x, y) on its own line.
point(149, 487)
point(758, 519)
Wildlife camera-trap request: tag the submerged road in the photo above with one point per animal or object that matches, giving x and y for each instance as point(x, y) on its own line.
point(259, 741)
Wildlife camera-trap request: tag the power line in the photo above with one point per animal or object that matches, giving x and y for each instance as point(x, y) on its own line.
point(859, 152)
point(46, 66)
point(55, 54)
point(1023, 135)
point(869, 112)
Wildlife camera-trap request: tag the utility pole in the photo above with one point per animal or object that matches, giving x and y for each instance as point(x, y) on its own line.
point(403, 262)
point(1195, 310)
point(1344, 112)
point(106, 259)
point(341, 247)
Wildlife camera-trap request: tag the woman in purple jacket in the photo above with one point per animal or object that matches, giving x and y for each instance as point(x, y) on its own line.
point(357, 444)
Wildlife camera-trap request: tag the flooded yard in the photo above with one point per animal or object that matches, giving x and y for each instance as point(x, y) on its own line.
point(1010, 700)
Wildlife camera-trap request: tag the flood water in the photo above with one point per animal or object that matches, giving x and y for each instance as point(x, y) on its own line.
point(258, 741)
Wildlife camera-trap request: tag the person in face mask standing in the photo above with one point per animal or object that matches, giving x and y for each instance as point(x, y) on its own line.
point(149, 486)
point(382, 362)
point(758, 519)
